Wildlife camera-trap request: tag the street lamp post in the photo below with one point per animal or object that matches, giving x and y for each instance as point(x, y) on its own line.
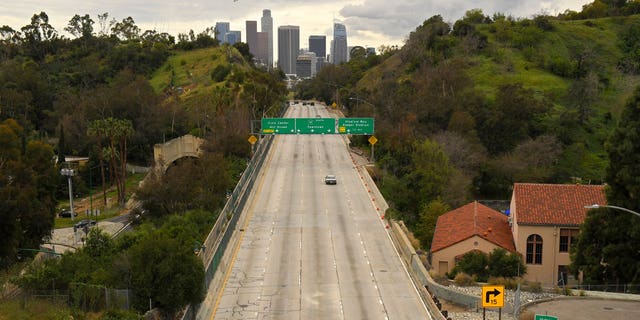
point(68, 172)
point(596, 206)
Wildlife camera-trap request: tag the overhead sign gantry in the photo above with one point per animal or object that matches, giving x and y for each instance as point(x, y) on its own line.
point(356, 126)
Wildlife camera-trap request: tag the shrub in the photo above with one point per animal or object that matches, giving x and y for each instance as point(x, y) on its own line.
point(563, 290)
point(508, 283)
point(533, 287)
point(120, 315)
point(475, 263)
point(220, 72)
point(464, 280)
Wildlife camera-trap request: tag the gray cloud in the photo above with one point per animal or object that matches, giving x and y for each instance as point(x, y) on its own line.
point(369, 22)
point(396, 19)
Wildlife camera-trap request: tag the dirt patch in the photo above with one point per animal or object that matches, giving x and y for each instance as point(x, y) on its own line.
point(453, 307)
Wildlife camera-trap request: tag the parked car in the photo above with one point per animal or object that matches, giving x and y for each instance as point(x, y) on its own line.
point(86, 223)
point(330, 179)
point(66, 213)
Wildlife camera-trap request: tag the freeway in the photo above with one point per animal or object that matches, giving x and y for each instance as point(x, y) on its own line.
point(310, 250)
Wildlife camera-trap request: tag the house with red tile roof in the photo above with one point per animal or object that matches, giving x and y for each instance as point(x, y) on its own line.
point(467, 228)
point(545, 219)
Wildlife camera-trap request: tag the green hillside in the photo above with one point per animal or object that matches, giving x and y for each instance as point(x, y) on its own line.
point(465, 109)
point(189, 69)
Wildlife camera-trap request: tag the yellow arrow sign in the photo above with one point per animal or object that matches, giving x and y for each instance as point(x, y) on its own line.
point(252, 139)
point(492, 296)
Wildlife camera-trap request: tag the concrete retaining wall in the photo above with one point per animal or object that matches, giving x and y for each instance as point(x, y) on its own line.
point(421, 277)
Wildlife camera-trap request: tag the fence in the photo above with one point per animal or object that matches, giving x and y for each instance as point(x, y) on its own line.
point(83, 296)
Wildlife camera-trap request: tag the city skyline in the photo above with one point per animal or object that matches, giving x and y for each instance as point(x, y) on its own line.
point(370, 23)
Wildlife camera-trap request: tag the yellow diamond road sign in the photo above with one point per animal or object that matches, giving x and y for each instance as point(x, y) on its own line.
point(492, 296)
point(252, 139)
point(373, 140)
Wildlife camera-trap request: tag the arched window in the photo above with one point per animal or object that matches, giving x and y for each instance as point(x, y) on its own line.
point(534, 249)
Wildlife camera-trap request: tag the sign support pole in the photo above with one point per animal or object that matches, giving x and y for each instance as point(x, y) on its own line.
point(373, 158)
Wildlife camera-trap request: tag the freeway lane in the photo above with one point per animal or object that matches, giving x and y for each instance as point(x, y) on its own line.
point(315, 251)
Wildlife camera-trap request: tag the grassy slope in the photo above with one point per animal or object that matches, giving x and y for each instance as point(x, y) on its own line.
point(500, 64)
point(192, 70)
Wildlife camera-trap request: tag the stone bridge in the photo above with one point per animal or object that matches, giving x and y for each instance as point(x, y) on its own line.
point(164, 154)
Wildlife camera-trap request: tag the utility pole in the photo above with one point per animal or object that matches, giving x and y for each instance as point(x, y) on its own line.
point(69, 173)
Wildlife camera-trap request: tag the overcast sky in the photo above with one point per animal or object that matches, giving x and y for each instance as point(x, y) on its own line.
point(369, 22)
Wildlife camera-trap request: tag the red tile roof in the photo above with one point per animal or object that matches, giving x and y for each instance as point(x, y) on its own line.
point(554, 204)
point(473, 219)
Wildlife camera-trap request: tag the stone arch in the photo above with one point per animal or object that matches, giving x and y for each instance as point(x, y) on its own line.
point(164, 154)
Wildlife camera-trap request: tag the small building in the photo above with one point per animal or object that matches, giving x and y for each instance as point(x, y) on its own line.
point(471, 227)
point(545, 219)
point(306, 65)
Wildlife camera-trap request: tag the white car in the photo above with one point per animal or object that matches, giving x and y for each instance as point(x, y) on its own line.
point(330, 179)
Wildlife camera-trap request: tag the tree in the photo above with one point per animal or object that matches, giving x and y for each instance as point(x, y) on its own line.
point(27, 185)
point(190, 184)
point(427, 224)
point(503, 263)
point(80, 27)
point(166, 273)
point(608, 247)
point(118, 133)
point(97, 131)
point(126, 29)
point(513, 117)
point(498, 263)
point(473, 263)
point(38, 35)
point(243, 48)
point(431, 170)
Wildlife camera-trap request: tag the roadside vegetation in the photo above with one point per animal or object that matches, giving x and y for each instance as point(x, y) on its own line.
point(109, 94)
point(465, 109)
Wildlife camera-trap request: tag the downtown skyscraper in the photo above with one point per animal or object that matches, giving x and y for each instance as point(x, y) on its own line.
point(222, 28)
point(266, 25)
point(252, 36)
point(318, 45)
point(339, 49)
point(288, 48)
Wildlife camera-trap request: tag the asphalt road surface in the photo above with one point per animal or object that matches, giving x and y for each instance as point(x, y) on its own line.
point(314, 251)
point(588, 309)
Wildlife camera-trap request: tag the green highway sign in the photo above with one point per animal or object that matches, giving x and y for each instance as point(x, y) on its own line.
point(355, 125)
point(278, 126)
point(545, 317)
point(316, 125)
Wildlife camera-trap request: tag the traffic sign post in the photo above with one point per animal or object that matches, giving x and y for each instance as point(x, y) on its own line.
point(355, 125)
point(315, 125)
point(492, 297)
point(278, 126)
point(545, 317)
point(372, 140)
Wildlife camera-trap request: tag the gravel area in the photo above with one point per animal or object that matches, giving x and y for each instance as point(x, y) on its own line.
point(525, 297)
